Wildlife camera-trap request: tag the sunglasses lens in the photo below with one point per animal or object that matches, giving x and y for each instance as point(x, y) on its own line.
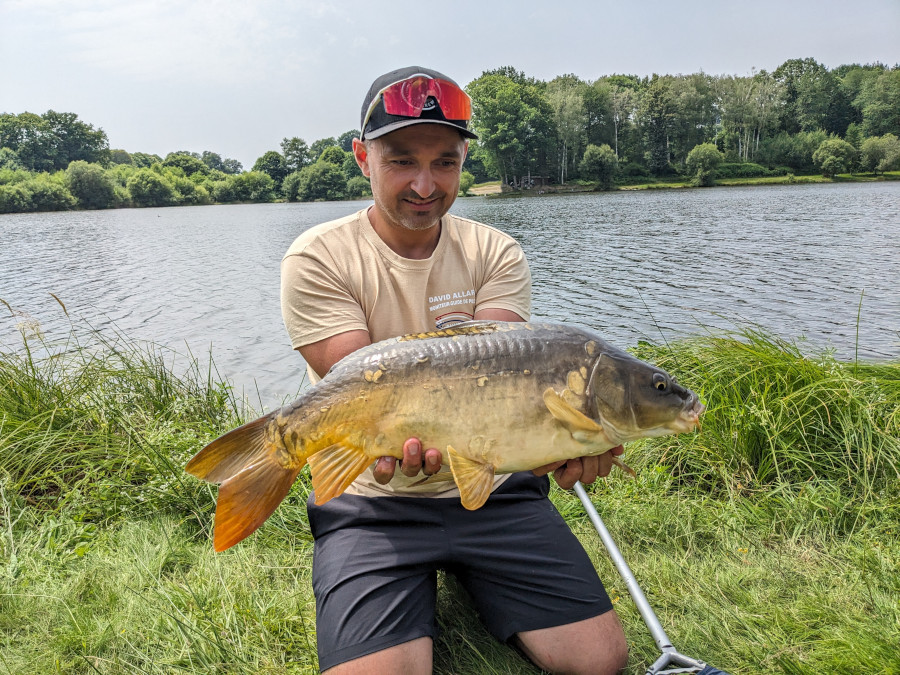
point(408, 98)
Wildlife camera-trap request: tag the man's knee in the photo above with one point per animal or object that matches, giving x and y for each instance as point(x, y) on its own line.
point(595, 646)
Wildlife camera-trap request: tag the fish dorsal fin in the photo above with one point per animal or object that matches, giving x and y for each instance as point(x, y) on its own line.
point(334, 468)
point(474, 479)
point(467, 328)
point(572, 419)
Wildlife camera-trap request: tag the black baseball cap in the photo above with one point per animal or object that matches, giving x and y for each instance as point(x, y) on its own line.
point(379, 122)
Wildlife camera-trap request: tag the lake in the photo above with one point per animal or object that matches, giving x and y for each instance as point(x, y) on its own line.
point(653, 265)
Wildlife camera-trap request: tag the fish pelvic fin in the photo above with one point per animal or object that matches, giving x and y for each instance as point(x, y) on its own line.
point(334, 468)
point(475, 479)
point(231, 453)
point(248, 498)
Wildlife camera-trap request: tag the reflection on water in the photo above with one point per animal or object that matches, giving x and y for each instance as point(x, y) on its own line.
point(633, 265)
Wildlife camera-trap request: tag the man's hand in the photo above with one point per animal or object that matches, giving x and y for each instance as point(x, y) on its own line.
point(584, 469)
point(412, 463)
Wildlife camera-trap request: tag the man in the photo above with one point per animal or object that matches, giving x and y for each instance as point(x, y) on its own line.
point(405, 265)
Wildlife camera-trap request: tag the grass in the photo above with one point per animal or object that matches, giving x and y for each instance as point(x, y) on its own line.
point(767, 543)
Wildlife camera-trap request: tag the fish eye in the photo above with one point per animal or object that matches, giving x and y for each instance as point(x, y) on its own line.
point(659, 381)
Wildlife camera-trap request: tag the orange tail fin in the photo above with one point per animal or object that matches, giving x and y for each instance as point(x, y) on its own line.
point(231, 453)
point(248, 498)
point(253, 482)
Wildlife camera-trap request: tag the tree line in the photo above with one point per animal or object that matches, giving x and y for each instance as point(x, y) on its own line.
point(800, 118)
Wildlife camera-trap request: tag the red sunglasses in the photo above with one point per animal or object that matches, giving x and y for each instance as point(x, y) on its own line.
point(407, 98)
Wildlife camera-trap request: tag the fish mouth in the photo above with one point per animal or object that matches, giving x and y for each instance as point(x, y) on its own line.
point(689, 419)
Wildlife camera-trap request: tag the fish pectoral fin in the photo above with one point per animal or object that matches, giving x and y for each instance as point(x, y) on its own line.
point(474, 479)
point(248, 498)
point(334, 468)
point(574, 420)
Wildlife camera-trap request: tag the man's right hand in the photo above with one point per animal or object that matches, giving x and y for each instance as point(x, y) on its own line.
point(414, 461)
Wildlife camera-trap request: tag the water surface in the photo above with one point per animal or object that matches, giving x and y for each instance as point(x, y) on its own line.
point(632, 265)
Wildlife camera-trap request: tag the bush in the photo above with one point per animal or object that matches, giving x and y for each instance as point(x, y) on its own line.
point(742, 170)
point(15, 198)
point(634, 170)
point(466, 181)
point(358, 186)
point(834, 156)
point(880, 153)
point(321, 181)
point(702, 162)
point(599, 164)
point(148, 188)
point(48, 194)
point(90, 185)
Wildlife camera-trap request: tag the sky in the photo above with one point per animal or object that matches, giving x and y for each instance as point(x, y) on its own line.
point(237, 76)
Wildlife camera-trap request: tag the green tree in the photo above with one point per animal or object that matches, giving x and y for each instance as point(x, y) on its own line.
point(48, 194)
point(600, 164)
point(321, 181)
point(72, 139)
point(657, 112)
point(880, 101)
point(358, 186)
point(189, 163)
point(272, 163)
point(148, 188)
point(296, 153)
point(566, 97)
point(513, 118)
point(119, 156)
point(319, 146)
point(466, 181)
point(214, 162)
point(143, 160)
point(90, 185)
point(290, 186)
point(345, 140)
point(702, 162)
point(334, 155)
point(9, 159)
point(834, 156)
point(880, 153)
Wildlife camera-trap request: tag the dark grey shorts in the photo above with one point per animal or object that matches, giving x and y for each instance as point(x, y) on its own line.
point(376, 560)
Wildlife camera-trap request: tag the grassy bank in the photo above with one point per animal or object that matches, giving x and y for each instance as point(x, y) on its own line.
point(767, 542)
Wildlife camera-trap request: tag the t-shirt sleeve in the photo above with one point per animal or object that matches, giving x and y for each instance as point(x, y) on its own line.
point(507, 281)
point(316, 303)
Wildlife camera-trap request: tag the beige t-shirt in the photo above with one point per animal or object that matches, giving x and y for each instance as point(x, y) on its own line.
point(341, 276)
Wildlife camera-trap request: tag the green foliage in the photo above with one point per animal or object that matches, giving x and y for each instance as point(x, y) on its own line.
point(881, 153)
point(794, 151)
point(514, 120)
point(49, 142)
point(90, 185)
point(743, 170)
point(149, 188)
point(318, 147)
point(189, 164)
point(466, 181)
point(350, 167)
point(144, 161)
point(599, 164)
point(334, 155)
point(345, 140)
point(273, 165)
point(296, 153)
point(702, 162)
point(9, 159)
point(358, 186)
point(24, 192)
point(657, 114)
point(835, 156)
point(321, 181)
point(118, 156)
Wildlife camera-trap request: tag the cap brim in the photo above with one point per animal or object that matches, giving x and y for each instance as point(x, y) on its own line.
point(393, 126)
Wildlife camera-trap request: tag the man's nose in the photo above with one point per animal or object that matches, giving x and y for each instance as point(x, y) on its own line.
point(423, 182)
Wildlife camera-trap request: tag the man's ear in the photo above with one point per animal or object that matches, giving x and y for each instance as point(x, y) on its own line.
point(465, 150)
point(361, 154)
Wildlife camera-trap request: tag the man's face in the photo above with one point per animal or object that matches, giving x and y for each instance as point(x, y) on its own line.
point(414, 173)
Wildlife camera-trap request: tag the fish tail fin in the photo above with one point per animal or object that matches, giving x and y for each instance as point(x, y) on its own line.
point(334, 468)
point(253, 482)
point(248, 498)
point(230, 453)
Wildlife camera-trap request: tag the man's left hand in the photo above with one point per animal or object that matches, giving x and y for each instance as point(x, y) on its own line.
point(585, 469)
